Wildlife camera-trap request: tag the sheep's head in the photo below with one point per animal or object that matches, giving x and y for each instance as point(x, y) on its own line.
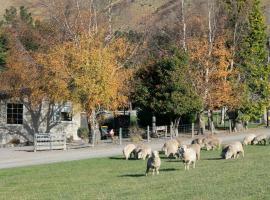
point(155, 154)
point(140, 154)
point(255, 141)
point(229, 153)
point(182, 150)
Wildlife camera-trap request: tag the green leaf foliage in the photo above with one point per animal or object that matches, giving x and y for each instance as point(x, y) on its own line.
point(253, 63)
point(164, 87)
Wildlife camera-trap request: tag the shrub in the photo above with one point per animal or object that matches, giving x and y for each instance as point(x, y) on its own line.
point(83, 133)
point(14, 141)
point(136, 134)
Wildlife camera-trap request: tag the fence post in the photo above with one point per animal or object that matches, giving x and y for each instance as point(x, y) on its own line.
point(166, 132)
point(154, 125)
point(65, 141)
point(93, 137)
point(120, 136)
point(230, 126)
point(50, 142)
point(35, 142)
point(148, 134)
point(192, 130)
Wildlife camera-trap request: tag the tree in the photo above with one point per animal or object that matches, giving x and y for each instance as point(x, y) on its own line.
point(24, 79)
point(253, 64)
point(165, 87)
point(93, 72)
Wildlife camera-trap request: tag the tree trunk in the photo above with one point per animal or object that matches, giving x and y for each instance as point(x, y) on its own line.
point(222, 120)
point(211, 126)
point(94, 136)
point(176, 125)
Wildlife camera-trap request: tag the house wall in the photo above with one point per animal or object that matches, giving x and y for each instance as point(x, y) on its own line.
point(9, 131)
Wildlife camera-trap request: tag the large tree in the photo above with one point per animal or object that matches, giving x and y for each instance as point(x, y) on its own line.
point(165, 87)
point(253, 64)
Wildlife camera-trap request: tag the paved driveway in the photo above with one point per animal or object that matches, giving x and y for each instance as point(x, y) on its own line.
point(24, 156)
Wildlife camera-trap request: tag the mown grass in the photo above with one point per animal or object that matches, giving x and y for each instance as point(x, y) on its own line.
point(115, 178)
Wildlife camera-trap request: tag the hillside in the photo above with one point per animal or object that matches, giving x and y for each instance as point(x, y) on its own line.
point(137, 14)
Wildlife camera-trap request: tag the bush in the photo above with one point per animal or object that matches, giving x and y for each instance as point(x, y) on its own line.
point(136, 134)
point(14, 141)
point(83, 133)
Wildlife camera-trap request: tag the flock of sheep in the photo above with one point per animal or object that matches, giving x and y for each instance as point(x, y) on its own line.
point(189, 154)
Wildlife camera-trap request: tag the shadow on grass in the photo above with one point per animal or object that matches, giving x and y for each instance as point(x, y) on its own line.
point(132, 175)
point(150, 173)
point(121, 158)
point(168, 170)
point(213, 159)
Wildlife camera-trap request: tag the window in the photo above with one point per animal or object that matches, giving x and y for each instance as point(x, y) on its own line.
point(14, 113)
point(63, 113)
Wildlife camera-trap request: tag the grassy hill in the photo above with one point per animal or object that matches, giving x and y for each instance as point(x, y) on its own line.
point(137, 14)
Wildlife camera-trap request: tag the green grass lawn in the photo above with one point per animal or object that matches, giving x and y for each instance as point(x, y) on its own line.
point(115, 178)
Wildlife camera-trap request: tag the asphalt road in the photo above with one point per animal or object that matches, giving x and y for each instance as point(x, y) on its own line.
point(24, 156)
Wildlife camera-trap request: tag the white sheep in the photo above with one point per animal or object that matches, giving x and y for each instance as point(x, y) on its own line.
point(188, 156)
point(198, 141)
point(232, 150)
point(128, 150)
point(197, 149)
point(248, 139)
point(144, 152)
point(212, 142)
point(153, 163)
point(260, 139)
point(170, 147)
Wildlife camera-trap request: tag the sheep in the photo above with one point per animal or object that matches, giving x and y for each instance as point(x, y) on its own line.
point(153, 163)
point(248, 139)
point(212, 142)
point(197, 149)
point(188, 155)
point(260, 139)
point(128, 150)
point(232, 150)
point(170, 147)
point(198, 141)
point(144, 152)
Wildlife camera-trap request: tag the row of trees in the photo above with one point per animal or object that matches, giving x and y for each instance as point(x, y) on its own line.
point(225, 64)
point(213, 60)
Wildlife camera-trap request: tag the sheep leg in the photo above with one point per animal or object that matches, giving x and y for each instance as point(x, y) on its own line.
point(157, 170)
point(193, 164)
point(147, 170)
point(153, 171)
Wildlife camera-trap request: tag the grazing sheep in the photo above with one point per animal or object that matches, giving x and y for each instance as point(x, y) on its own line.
point(179, 140)
point(128, 150)
point(260, 139)
point(248, 139)
point(170, 148)
point(212, 142)
point(198, 141)
point(197, 149)
point(144, 152)
point(232, 150)
point(153, 163)
point(188, 155)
